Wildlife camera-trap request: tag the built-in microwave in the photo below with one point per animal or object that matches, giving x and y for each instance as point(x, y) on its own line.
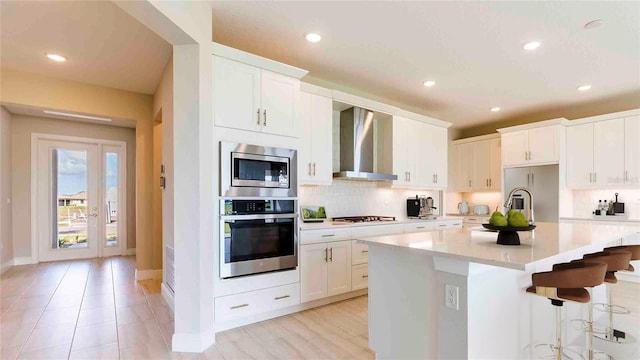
point(251, 170)
point(257, 236)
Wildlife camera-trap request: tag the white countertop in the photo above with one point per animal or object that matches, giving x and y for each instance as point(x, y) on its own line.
point(328, 224)
point(479, 245)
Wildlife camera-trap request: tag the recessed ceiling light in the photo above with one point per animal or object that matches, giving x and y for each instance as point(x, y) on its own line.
point(56, 57)
point(593, 24)
point(313, 37)
point(495, 109)
point(532, 45)
point(429, 83)
point(584, 87)
point(77, 115)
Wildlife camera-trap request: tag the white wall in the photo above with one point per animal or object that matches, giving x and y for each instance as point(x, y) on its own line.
point(6, 240)
point(21, 129)
point(354, 198)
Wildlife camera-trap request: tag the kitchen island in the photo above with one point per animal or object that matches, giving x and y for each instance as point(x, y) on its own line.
point(484, 311)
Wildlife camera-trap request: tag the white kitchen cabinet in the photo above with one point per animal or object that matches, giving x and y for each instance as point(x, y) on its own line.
point(478, 165)
point(597, 154)
point(335, 233)
point(448, 224)
point(608, 152)
point(419, 226)
point(530, 147)
point(241, 305)
point(632, 150)
point(315, 154)
point(360, 277)
point(249, 98)
point(325, 270)
point(419, 154)
point(359, 253)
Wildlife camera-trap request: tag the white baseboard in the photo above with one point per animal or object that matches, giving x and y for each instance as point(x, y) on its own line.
point(168, 296)
point(288, 310)
point(129, 252)
point(148, 274)
point(195, 343)
point(25, 260)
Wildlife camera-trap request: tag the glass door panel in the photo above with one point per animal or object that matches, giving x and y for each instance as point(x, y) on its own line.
point(70, 192)
point(111, 198)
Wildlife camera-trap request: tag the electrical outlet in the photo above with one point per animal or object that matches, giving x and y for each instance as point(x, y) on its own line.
point(451, 296)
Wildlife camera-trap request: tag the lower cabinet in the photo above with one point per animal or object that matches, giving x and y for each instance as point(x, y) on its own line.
point(325, 269)
point(359, 277)
point(241, 305)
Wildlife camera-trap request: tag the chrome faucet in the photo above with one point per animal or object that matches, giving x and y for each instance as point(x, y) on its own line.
point(507, 204)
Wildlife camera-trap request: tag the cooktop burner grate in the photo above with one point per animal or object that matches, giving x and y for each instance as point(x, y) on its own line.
point(356, 219)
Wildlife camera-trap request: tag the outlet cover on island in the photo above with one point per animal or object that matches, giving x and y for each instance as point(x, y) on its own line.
point(451, 296)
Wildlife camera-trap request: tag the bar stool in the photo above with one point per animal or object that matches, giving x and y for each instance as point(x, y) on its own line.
point(612, 334)
point(566, 282)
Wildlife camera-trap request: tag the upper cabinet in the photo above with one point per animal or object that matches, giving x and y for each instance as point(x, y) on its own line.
point(249, 98)
point(477, 163)
point(603, 153)
point(419, 154)
point(315, 154)
point(535, 146)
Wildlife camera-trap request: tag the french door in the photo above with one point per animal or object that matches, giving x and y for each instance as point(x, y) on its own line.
point(80, 199)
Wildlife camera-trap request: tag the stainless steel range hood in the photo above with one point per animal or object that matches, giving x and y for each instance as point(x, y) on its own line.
point(356, 146)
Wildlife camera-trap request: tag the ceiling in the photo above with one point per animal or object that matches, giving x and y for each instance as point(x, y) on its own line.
point(104, 45)
point(473, 50)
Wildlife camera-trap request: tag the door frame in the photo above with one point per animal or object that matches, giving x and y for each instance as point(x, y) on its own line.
point(122, 179)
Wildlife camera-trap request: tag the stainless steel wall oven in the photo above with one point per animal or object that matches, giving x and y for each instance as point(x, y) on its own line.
point(257, 235)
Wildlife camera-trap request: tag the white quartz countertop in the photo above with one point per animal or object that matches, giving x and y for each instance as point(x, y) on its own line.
point(328, 224)
point(479, 245)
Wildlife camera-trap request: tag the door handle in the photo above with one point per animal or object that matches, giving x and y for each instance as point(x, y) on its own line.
point(365, 251)
point(281, 297)
point(326, 256)
point(265, 118)
point(331, 254)
point(409, 176)
point(419, 227)
point(490, 183)
point(328, 235)
point(595, 177)
point(238, 306)
point(258, 122)
point(309, 169)
point(365, 276)
point(314, 169)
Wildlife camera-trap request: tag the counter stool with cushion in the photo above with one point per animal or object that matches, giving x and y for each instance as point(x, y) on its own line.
point(612, 334)
point(566, 282)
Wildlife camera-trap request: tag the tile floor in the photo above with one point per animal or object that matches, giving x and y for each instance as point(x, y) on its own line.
point(94, 309)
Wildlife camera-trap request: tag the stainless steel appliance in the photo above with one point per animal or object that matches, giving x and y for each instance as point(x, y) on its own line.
point(420, 207)
point(258, 235)
point(251, 170)
point(356, 146)
point(543, 182)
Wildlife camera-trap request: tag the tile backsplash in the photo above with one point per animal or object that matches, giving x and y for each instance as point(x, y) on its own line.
point(354, 198)
point(585, 201)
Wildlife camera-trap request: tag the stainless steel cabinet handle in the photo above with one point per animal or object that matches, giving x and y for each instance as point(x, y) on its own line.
point(436, 178)
point(281, 297)
point(365, 276)
point(258, 122)
point(595, 177)
point(419, 227)
point(330, 254)
point(469, 183)
point(490, 182)
point(326, 255)
point(314, 169)
point(365, 251)
point(328, 235)
point(238, 306)
point(409, 176)
point(442, 225)
point(265, 117)
point(309, 169)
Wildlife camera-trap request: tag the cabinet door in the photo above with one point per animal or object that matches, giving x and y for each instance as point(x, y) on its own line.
point(495, 165)
point(339, 273)
point(313, 272)
point(236, 95)
point(306, 139)
point(632, 150)
point(321, 132)
point(423, 172)
point(438, 156)
point(400, 146)
point(481, 164)
point(543, 144)
point(280, 96)
point(580, 156)
point(608, 152)
point(515, 146)
point(465, 167)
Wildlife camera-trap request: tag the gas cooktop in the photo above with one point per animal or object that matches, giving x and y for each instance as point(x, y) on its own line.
point(359, 219)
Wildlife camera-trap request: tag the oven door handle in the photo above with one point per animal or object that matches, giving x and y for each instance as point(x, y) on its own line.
point(259, 216)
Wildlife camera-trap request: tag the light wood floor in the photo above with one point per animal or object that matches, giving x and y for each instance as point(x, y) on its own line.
point(94, 309)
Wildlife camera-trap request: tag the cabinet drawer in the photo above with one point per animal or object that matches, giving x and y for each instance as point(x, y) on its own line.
point(476, 220)
point(255, 302)
point(419, 227)
point(359, 277)
point(324, 235)
point(376, 230)
point(359, 253)
point(451, 224)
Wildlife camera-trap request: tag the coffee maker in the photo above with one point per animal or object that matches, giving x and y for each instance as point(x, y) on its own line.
point(420, 207)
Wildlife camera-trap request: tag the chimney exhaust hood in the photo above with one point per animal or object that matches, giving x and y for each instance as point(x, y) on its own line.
point(356, 146)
